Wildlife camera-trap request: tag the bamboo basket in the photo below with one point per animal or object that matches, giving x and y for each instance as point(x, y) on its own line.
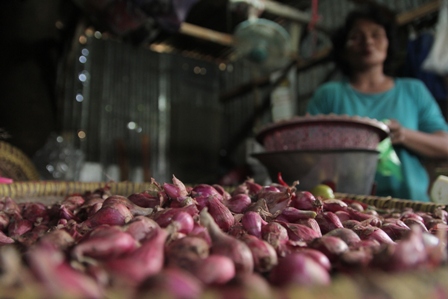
point(392, 203)
point(49, 192)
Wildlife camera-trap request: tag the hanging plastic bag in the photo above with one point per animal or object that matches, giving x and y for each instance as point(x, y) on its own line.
point(388, 162)
point(437, 60)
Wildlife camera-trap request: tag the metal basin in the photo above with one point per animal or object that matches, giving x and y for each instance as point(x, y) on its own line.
point(351, 170)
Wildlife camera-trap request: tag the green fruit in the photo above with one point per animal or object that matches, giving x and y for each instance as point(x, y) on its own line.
point(323, 191)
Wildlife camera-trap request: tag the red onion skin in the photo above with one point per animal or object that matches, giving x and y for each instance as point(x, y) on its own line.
point(143, 262)
point(30, 237)
point(252, 223)
point(186, 252)
point(237, 230)
point(166, 216)
point(238, 203)
point(225, 195)
point(354, 261)
point(347, 235)
point(215, 270)
point(298, 269)
point(305, 200)
point(328, 221)
point(140, 227)
point(4, 221)
point(252, 187)
point(291, 214)
point(394, 231)
point(411, 215)
point(317, 256)
point(104, 243)
point(299, 232)
point(373, 233)
point(57, 277)
point(226, 245)
point(264, 254)
point(369, 245)
point(360, 216)
point(184, 222)
point(59, 238)
point(374, 221)
point(133, 208)
point(18, 227)
point(220, 213)
point(331, 246)
point(65, 213)
point(343, 216)
point(4, 239)
point(395, 221)
point(411, 221)
point(407, 254)
point(172, 283)
point(73, 202)
point(275, 234)
point(351, 223)
point(334, 205)
point(313, 224)
point(276, 200)
point(201, 232)
point(118, 214)
point(148, 199)
point(357, 206)
point(35, 212)
point(9, 206)
point(176, 190)
point(205, 190)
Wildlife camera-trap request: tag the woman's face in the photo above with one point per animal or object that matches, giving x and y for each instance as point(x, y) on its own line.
point(366, 45)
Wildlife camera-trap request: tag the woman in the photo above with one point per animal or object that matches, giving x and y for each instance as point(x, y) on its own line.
point(363, 49)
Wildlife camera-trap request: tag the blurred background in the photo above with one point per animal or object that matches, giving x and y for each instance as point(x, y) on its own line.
point(141, 89)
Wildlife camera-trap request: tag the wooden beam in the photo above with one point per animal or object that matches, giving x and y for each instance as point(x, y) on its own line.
point(207, 34)
point(413, 14)
point(290, 13)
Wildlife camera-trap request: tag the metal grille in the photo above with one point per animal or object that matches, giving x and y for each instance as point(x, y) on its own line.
point(129, 93)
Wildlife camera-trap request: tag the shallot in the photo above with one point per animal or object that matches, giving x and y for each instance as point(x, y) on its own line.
point(305, 200)
point(104, 242)
point(264, 254)
point(331, 246)
point(186, 252)
point(148, 199)
point(299, 269)
point(253, 223)
point(238, 203)
point(220, 213)
point(299, 232)
point(57, 277)
point(215, 269)
point(140, 227)
point(172, 283)
point(117, 214)
point(143, 262)
point(347, 235)
point(227, 245)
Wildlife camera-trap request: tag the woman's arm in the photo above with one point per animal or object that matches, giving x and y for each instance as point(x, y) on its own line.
point(432, 145)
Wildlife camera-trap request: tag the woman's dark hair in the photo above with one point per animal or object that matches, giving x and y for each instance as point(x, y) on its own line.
point(372, 12)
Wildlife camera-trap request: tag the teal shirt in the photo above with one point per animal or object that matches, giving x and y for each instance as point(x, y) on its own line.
point(410, 103)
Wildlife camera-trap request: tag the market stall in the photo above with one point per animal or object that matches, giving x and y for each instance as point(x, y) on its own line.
point(183, 167)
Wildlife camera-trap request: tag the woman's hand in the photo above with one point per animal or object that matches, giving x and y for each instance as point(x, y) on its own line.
point(397, 132)
point(433, 145)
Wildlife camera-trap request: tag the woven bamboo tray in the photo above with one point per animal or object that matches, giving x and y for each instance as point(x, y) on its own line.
point(392, 203)
point(54, 191)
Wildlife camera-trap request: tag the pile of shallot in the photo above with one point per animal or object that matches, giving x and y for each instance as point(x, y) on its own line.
point(188, 242)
